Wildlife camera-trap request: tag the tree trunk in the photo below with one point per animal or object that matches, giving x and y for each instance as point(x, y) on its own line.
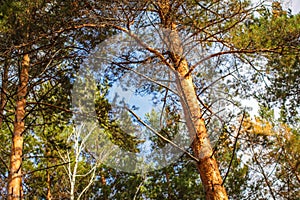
point(48, 155)
point(15, 172)
point(104, 185)
point(3, 92)
point(207, 165)
point(49, 196)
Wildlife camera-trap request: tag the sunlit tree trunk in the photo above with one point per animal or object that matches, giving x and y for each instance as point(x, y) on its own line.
point(15, 172)
point(49, 195)
point(207, 165)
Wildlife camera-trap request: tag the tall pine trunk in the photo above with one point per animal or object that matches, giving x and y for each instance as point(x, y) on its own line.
point(207, 164)
point(15, 191)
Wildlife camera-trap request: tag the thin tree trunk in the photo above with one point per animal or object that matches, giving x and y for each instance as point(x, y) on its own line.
point(49, 195)
point(15, 172)
point(104, 185)
point(3, 92)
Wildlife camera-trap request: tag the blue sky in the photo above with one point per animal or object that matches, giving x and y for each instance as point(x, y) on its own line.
point(145, 103)
point(296, 6)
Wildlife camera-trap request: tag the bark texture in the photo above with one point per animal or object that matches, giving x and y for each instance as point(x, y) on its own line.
point(207, 165)
point(15, 173)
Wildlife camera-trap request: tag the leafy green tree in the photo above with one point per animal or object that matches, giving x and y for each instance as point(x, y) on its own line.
point(276, 32)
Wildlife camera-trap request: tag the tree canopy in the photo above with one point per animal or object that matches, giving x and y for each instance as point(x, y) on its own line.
point(145, 100)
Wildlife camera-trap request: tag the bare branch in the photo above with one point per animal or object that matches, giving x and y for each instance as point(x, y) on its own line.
point(234, 147)
point(159, 135)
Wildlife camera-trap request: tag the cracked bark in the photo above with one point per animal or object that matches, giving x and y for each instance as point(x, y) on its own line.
point(207, 165)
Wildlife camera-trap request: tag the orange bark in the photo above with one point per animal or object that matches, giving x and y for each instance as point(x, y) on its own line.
point(207, 165)
point(49, 195)
point(15, 171)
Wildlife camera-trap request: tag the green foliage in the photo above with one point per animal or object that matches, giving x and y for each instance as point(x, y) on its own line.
point(267, 33)
point(177, 181)
point(271, 159)
point(167, 124)
point(277, 34)
point(119, 132)
point(46, 29)
point(237, 178)
point(284, 88)
point(9, 13)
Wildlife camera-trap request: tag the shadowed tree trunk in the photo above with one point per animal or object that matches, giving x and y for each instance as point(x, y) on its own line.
point(15, 172)
point(104, 185)
point(3, 92)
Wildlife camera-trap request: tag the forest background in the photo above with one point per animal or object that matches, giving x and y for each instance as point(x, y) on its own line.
point(188, 67)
